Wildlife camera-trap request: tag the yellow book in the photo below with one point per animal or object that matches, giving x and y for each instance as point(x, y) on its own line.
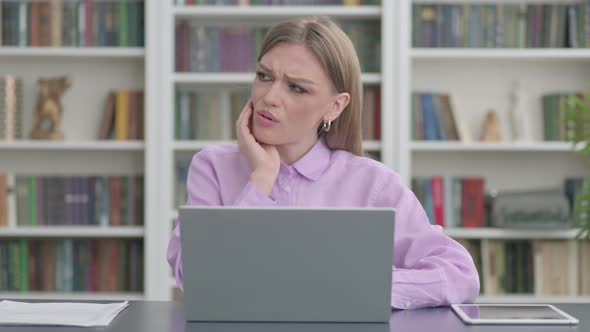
point(122, 115)
point(352, 2)
point(57, 23)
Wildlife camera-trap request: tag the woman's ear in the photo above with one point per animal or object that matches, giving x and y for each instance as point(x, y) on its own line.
point(338, 105)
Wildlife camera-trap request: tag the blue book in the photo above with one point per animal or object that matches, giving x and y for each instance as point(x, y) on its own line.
point(429, 117)
point(441, 133)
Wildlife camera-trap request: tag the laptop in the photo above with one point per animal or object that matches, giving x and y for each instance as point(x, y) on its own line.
point(287, 264)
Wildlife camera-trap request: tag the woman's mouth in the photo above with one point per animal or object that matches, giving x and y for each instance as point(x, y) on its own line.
point(266, 119)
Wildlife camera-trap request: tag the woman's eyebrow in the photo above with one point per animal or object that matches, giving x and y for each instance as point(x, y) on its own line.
point(290, 78)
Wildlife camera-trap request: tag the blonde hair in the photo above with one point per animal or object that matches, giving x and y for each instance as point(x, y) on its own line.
point(338, 57)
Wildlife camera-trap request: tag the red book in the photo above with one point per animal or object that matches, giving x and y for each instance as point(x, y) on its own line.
point(94, 263)
point(438, 200)
point(35, 20)
point(473, 202)
point(114, 266)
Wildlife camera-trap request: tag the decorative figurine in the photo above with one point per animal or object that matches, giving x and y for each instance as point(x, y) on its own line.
point(49, 108)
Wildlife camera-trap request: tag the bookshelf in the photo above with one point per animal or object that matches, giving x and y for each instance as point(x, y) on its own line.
point(480, 79)
point(404, 69)
point(177, 151)
point(95, 70)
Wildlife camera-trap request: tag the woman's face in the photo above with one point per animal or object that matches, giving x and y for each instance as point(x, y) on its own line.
point(291, 94)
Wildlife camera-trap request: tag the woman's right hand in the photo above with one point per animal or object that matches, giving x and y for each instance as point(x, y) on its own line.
point(264, 159)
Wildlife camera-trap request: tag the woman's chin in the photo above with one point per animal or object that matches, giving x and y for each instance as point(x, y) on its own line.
point(264, 137)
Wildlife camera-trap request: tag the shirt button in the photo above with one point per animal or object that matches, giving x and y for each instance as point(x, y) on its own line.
point(287, 188)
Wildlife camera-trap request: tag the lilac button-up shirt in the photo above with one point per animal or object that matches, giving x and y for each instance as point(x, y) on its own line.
point(429, 268)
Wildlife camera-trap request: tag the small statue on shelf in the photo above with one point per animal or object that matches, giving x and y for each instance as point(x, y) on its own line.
point(49, 108)
point(491, 128)
point(518, 120)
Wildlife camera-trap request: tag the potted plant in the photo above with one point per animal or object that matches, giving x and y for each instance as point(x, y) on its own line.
point(578, 128)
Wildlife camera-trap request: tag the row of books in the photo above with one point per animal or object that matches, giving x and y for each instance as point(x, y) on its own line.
point(11, 107)
point(67, 265)
point(200, 114)
point(213, 49)
point(474, 248)
point(502, 25)
point(279, 2)
point(434, 117)
point(72, 23)
point(540, 267)
point(563, 120)
point(451, 201)
point(123, 116)
point(371, 114)
point(58, 200)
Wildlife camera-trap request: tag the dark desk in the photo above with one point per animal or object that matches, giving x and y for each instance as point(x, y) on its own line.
point(169, 316)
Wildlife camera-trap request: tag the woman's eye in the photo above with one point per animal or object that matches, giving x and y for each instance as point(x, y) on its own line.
point(296, 88)
point(263, 76)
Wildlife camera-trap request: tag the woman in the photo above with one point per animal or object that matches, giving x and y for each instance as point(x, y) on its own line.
point(299, 144)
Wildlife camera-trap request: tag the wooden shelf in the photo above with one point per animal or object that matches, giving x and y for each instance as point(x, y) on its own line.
point(443, 146)
point(27, 145)
point(499, 54)
point(59, 231)
point(530, 298)
point(240, 78)
point(74, 52)
point(195, 145)
point(499, 233)
point(76, 296)
point(215, 13)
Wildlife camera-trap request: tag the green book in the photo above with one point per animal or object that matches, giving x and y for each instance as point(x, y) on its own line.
point(133, 23)
point(24, 265)
point(123, 24)
point(14, 266)
point(33, 200)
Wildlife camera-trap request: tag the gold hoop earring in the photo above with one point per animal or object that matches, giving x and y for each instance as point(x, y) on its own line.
point(327, 126)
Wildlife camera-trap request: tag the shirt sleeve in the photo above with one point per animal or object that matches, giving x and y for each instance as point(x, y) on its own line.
point(429, 268)
point(203, 189)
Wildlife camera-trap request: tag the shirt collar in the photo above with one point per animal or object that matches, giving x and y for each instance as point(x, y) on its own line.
point(313, 164)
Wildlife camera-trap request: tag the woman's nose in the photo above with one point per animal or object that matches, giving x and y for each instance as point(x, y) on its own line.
point(272, 96)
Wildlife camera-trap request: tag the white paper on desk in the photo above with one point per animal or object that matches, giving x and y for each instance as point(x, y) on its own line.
point(59, 313)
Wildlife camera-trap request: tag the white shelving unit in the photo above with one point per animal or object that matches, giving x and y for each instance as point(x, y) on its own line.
point(94, 71)
point(480, 80)
point(260, 15)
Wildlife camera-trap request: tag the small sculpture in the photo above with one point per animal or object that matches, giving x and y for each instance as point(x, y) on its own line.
point(518, 120)
point(491, 128)
point(49, 108)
